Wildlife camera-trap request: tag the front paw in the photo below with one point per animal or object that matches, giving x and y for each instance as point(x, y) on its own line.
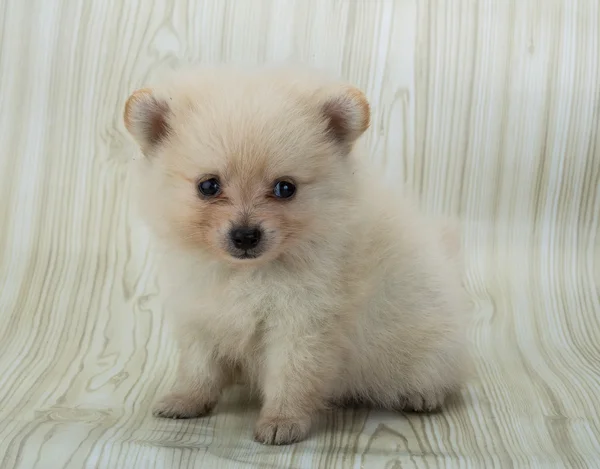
point(182, 406)
point(281, 430)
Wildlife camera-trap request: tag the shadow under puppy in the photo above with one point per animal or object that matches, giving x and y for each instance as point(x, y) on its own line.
point(288, 264)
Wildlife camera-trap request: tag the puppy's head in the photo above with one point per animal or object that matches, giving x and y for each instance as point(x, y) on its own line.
point(246, 165)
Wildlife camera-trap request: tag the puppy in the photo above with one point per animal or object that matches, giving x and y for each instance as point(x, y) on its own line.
point(287, 263)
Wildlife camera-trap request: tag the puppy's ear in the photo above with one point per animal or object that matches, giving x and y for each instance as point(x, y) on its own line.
point(348, 114)
point(147, 119)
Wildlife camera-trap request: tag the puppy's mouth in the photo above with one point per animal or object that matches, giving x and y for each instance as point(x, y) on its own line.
point(245, 255)
point(241, 254)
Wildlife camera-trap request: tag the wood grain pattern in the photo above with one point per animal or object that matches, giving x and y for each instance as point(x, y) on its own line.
point(489, 109)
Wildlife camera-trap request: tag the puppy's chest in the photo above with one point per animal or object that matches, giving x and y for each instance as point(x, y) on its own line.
point(240, 314)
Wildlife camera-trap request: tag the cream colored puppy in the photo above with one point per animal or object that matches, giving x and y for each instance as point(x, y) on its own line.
point(288, 265)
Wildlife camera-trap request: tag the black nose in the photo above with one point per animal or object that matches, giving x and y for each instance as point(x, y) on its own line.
point(245, 238)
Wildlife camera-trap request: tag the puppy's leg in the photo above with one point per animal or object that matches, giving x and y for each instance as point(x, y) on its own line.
point(430, 401)
point(200, 380)
point(297, 376)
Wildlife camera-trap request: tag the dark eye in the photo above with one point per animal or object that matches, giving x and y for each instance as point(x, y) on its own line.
point(209, 187)
point(284, 189)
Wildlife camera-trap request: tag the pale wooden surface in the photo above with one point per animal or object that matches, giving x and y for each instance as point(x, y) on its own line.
point(489, 109)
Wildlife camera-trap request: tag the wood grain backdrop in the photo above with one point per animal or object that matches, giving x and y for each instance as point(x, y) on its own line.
point(489, 109)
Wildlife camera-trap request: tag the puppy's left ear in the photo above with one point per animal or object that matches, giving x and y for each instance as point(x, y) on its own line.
point(147, 119)
point(348, 114)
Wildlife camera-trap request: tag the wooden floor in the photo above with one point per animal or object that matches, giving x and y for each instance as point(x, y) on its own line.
point(489, 109)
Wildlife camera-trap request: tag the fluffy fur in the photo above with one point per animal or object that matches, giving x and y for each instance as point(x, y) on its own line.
point(354, 296)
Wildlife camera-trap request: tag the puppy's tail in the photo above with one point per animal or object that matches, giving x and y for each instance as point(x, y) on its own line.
point(451, 242)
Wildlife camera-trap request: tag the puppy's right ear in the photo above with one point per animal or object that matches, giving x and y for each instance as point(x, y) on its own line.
point(147, 119)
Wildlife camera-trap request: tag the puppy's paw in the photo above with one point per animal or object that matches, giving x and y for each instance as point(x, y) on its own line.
point(182, 406)
point(421, 402)
point(281, 430)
